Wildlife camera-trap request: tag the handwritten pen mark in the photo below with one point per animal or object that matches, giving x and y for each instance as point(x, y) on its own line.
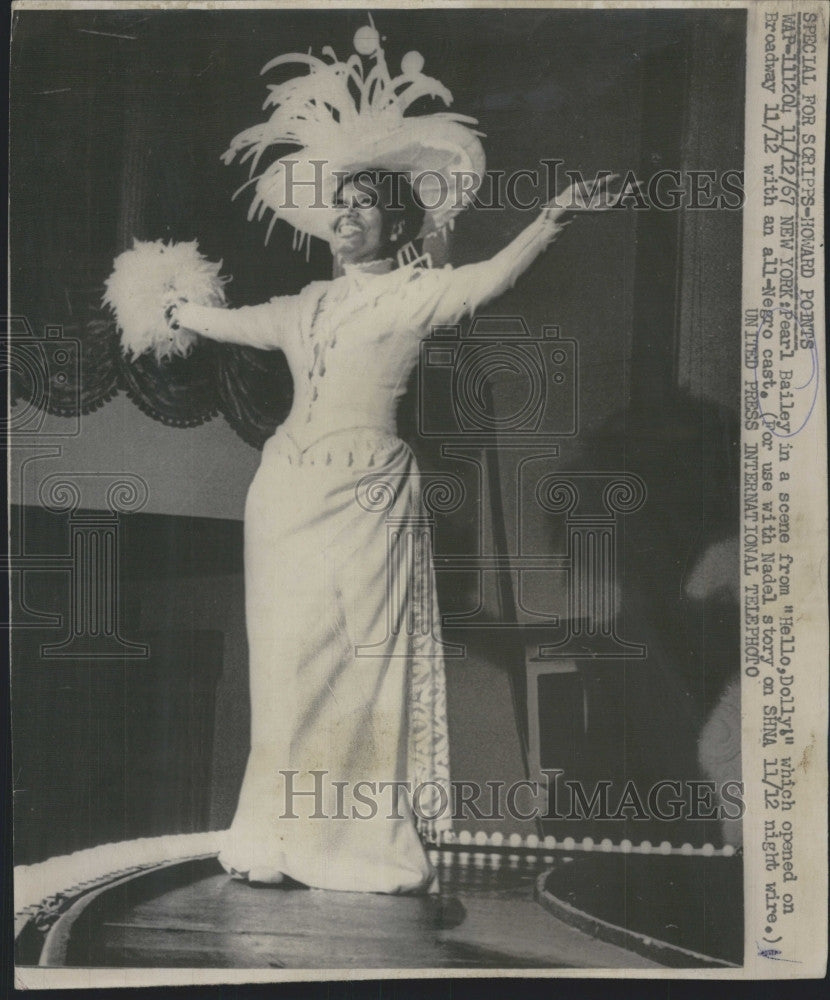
point(774, 954)
point(812, 380)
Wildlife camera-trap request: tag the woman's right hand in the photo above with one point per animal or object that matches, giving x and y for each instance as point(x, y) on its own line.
point(171, 311)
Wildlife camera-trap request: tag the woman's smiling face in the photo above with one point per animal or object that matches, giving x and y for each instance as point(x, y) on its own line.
point(357, 227)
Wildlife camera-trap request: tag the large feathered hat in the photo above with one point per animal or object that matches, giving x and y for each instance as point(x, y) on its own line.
point(340, 119)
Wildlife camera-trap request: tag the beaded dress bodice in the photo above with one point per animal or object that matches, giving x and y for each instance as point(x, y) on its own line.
point(349, 367)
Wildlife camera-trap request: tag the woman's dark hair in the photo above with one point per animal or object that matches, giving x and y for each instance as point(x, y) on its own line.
point(391, 191)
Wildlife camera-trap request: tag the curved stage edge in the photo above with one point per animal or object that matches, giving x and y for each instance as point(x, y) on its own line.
point(166, 903)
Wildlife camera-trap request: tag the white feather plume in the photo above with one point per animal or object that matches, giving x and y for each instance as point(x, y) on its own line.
point(343, 116)
point(145, 280)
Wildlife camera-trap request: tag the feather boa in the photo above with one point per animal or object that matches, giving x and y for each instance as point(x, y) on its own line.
point(145, 280)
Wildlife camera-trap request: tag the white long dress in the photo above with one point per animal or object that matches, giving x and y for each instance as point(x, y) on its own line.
point(346, 673)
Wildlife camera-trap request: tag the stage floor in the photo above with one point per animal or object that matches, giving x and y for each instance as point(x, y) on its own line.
point(476, 921)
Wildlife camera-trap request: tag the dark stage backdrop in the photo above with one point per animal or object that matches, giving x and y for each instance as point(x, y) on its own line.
point(118, 121)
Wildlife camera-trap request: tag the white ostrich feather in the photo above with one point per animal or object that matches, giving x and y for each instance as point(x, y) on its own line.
point(149, 277)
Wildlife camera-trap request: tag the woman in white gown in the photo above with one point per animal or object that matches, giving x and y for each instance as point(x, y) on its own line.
point(346, 673)
point(346, 679)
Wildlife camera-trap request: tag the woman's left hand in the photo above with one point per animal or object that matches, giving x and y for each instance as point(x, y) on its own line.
point(577, 198)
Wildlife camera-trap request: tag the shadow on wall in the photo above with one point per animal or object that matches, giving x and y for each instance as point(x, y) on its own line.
point(688, 455)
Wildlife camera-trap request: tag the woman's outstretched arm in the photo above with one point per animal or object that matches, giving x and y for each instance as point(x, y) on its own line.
point(461, 291)
point(474, 285)
point(263, 326)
